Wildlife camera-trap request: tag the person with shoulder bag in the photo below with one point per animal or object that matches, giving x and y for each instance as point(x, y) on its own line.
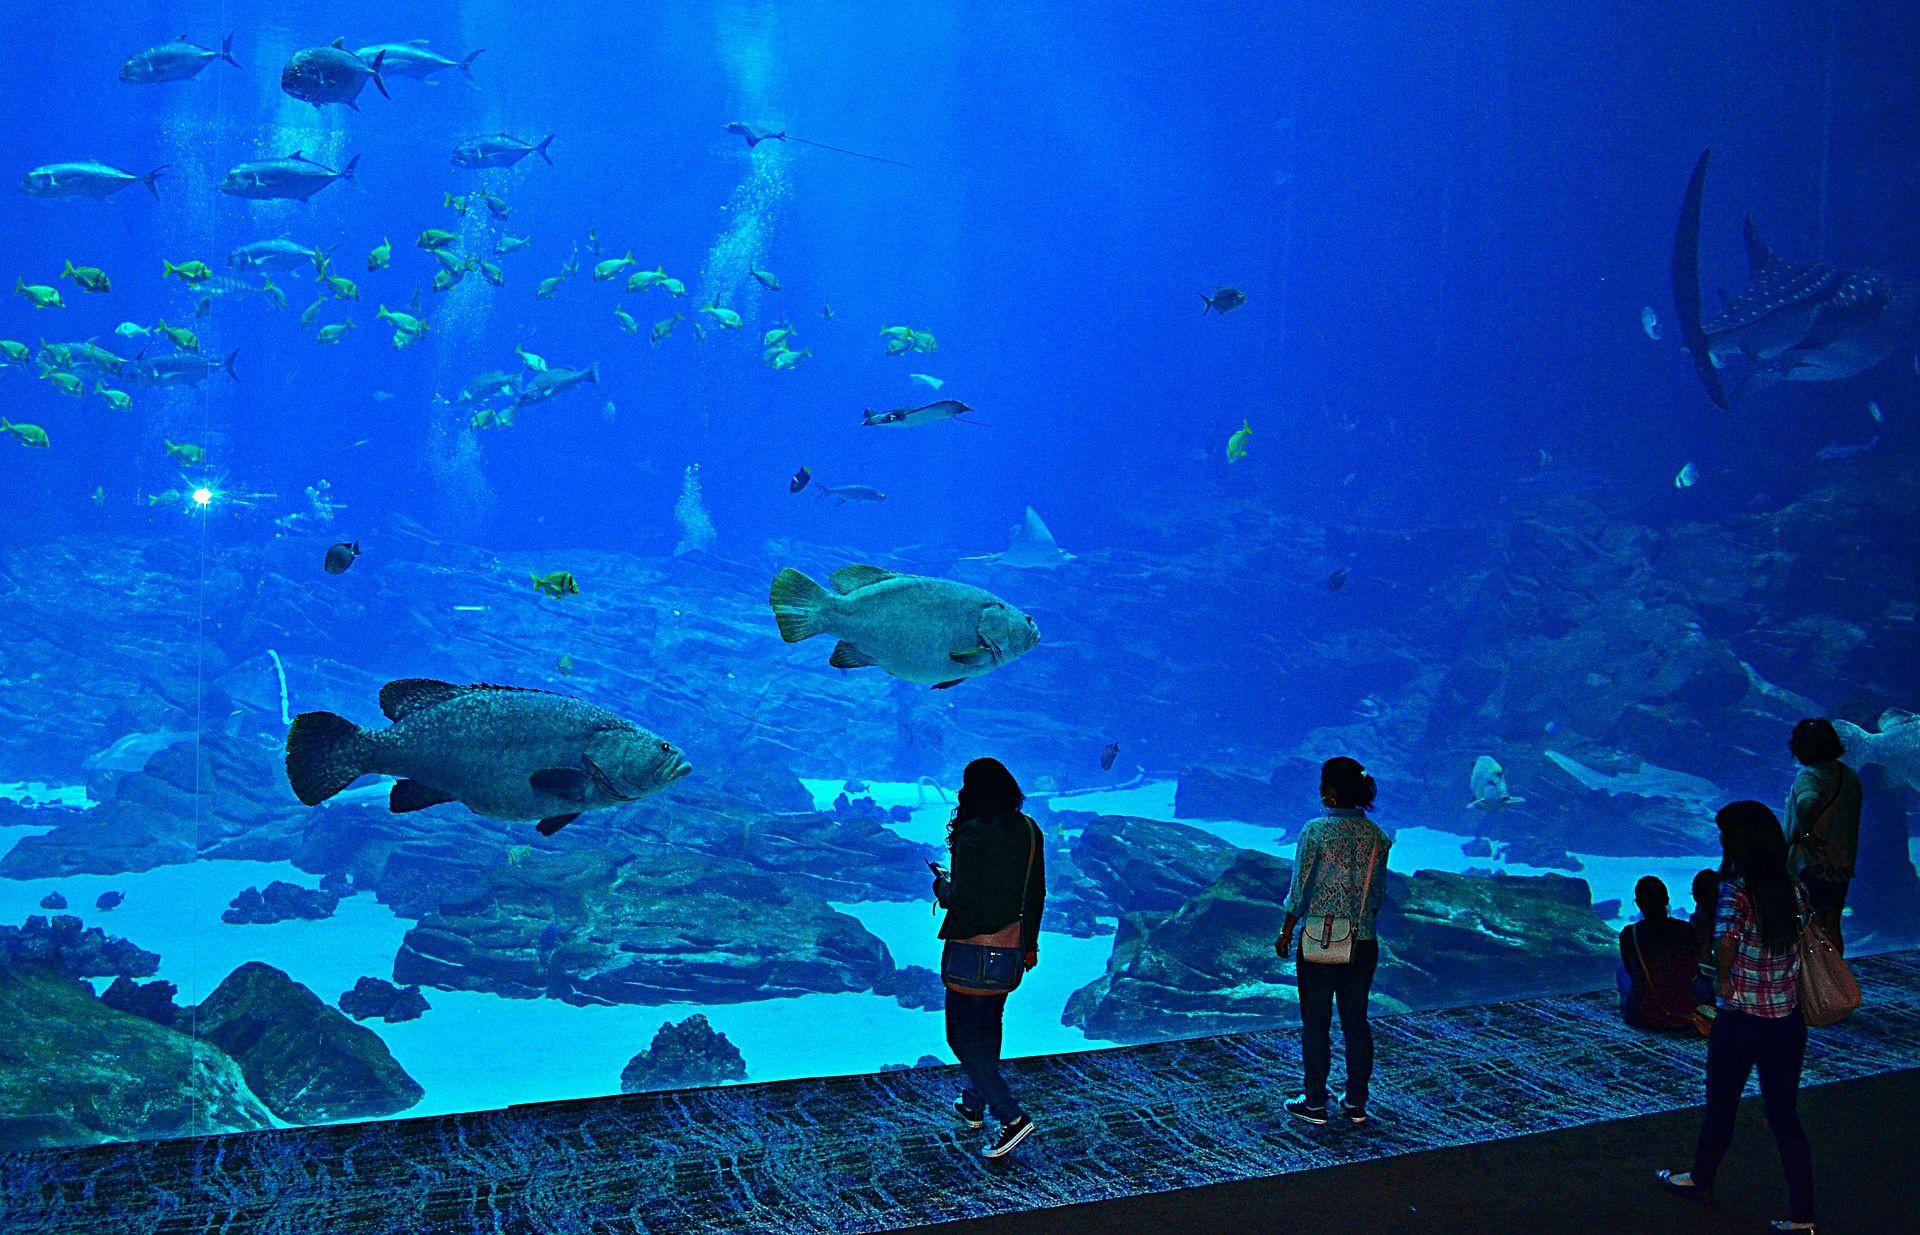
point(1339, 883)
point(1823, 821)
point(994, 897)
point(1764, 915)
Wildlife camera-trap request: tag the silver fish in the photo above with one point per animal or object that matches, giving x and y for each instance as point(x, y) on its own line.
point(551, 383)
point(279, 253)
point(843, 494)
point(322, 75)
point(85, 178)
point(177, 369)
point(293, 178)
point(175, 61)
point(499, 150)
point(415, 59)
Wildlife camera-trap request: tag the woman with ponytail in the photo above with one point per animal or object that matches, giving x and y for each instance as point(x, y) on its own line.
point(1339, 882)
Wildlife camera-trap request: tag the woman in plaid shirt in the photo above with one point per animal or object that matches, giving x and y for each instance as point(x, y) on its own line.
point(1757, 961)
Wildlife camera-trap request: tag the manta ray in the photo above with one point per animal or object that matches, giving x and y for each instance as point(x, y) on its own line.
point(1032, 547)
point(1793, 321)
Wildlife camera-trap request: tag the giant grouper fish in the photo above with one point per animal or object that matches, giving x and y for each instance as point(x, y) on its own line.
point(506, 752)
point(916, 628)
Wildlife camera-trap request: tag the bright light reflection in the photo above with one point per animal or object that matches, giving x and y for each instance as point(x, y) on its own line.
point(203, 496)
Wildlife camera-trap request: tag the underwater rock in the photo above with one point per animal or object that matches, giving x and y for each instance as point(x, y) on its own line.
point(152, 1000)
point(858, 809)
point(305, 1060)
point(683, 1056)
point(649, 927)
point(1145, 865)
point(68, 947)
point(916, 987)
point(857, 858)
point(925, 1061)
point(1445, 940)
point(209, 801)
point(1214, 793)
point(1207, 968)
point(1456, 939)
point(89, 1072)
point(53, 900)
point(1076, 904)
point(1543, 855)
point(1644, 678)
point(371, 997)
point(338, 884)
point(280, 902)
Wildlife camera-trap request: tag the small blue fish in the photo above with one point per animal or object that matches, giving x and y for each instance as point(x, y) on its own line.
point(1650, 322)
point(1689, 474)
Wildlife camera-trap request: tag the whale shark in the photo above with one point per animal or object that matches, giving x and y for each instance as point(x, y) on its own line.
point(1793, 321)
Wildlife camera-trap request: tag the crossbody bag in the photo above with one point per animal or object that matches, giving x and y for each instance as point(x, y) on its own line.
point(991, 964)
point(1330, 941)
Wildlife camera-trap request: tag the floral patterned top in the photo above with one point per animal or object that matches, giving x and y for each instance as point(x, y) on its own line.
point(1340, 854)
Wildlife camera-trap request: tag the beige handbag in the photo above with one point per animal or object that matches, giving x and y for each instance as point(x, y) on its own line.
point(1828, 989)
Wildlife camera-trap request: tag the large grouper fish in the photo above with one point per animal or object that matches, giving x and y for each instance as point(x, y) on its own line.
point(505, 752)
point(916, 628)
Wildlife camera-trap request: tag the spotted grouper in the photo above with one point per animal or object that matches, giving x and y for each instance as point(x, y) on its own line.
point(502, 751)
point(916, 628)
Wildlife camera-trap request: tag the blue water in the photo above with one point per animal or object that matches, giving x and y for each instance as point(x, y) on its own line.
point(1446, 221)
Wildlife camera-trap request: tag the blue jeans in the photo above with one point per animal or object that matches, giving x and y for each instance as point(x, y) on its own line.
point(1742, 1042)
point(1320, 986)
point(973, 1033)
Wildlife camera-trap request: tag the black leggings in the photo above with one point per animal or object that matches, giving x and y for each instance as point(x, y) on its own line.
point(1320, 986)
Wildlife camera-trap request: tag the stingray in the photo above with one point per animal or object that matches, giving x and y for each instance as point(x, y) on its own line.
point(1032, 547)
point(1793, 321)
point(756, 136)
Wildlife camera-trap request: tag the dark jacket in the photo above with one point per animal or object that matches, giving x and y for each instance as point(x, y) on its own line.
point(1659, 994)
point(989, 870)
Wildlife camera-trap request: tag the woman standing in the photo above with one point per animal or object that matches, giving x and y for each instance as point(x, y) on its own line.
point(994, 898)
point(1757, 959)
point(1339, 882)
point(1823, 821)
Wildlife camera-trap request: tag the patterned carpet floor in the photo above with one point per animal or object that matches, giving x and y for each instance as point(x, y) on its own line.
point(882, 1152)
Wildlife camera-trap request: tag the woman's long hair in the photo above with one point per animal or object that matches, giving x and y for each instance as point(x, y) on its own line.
point(1755, 849)
point(987, 791)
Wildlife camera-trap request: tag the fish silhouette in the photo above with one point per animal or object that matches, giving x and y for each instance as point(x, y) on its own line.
point(1793, 321)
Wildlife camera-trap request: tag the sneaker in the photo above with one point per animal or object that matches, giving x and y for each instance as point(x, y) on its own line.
point(1355, 1115)
point(1298, 1108)
point(968, 1116)
point(1010, 1135)
point(1783, 1224)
